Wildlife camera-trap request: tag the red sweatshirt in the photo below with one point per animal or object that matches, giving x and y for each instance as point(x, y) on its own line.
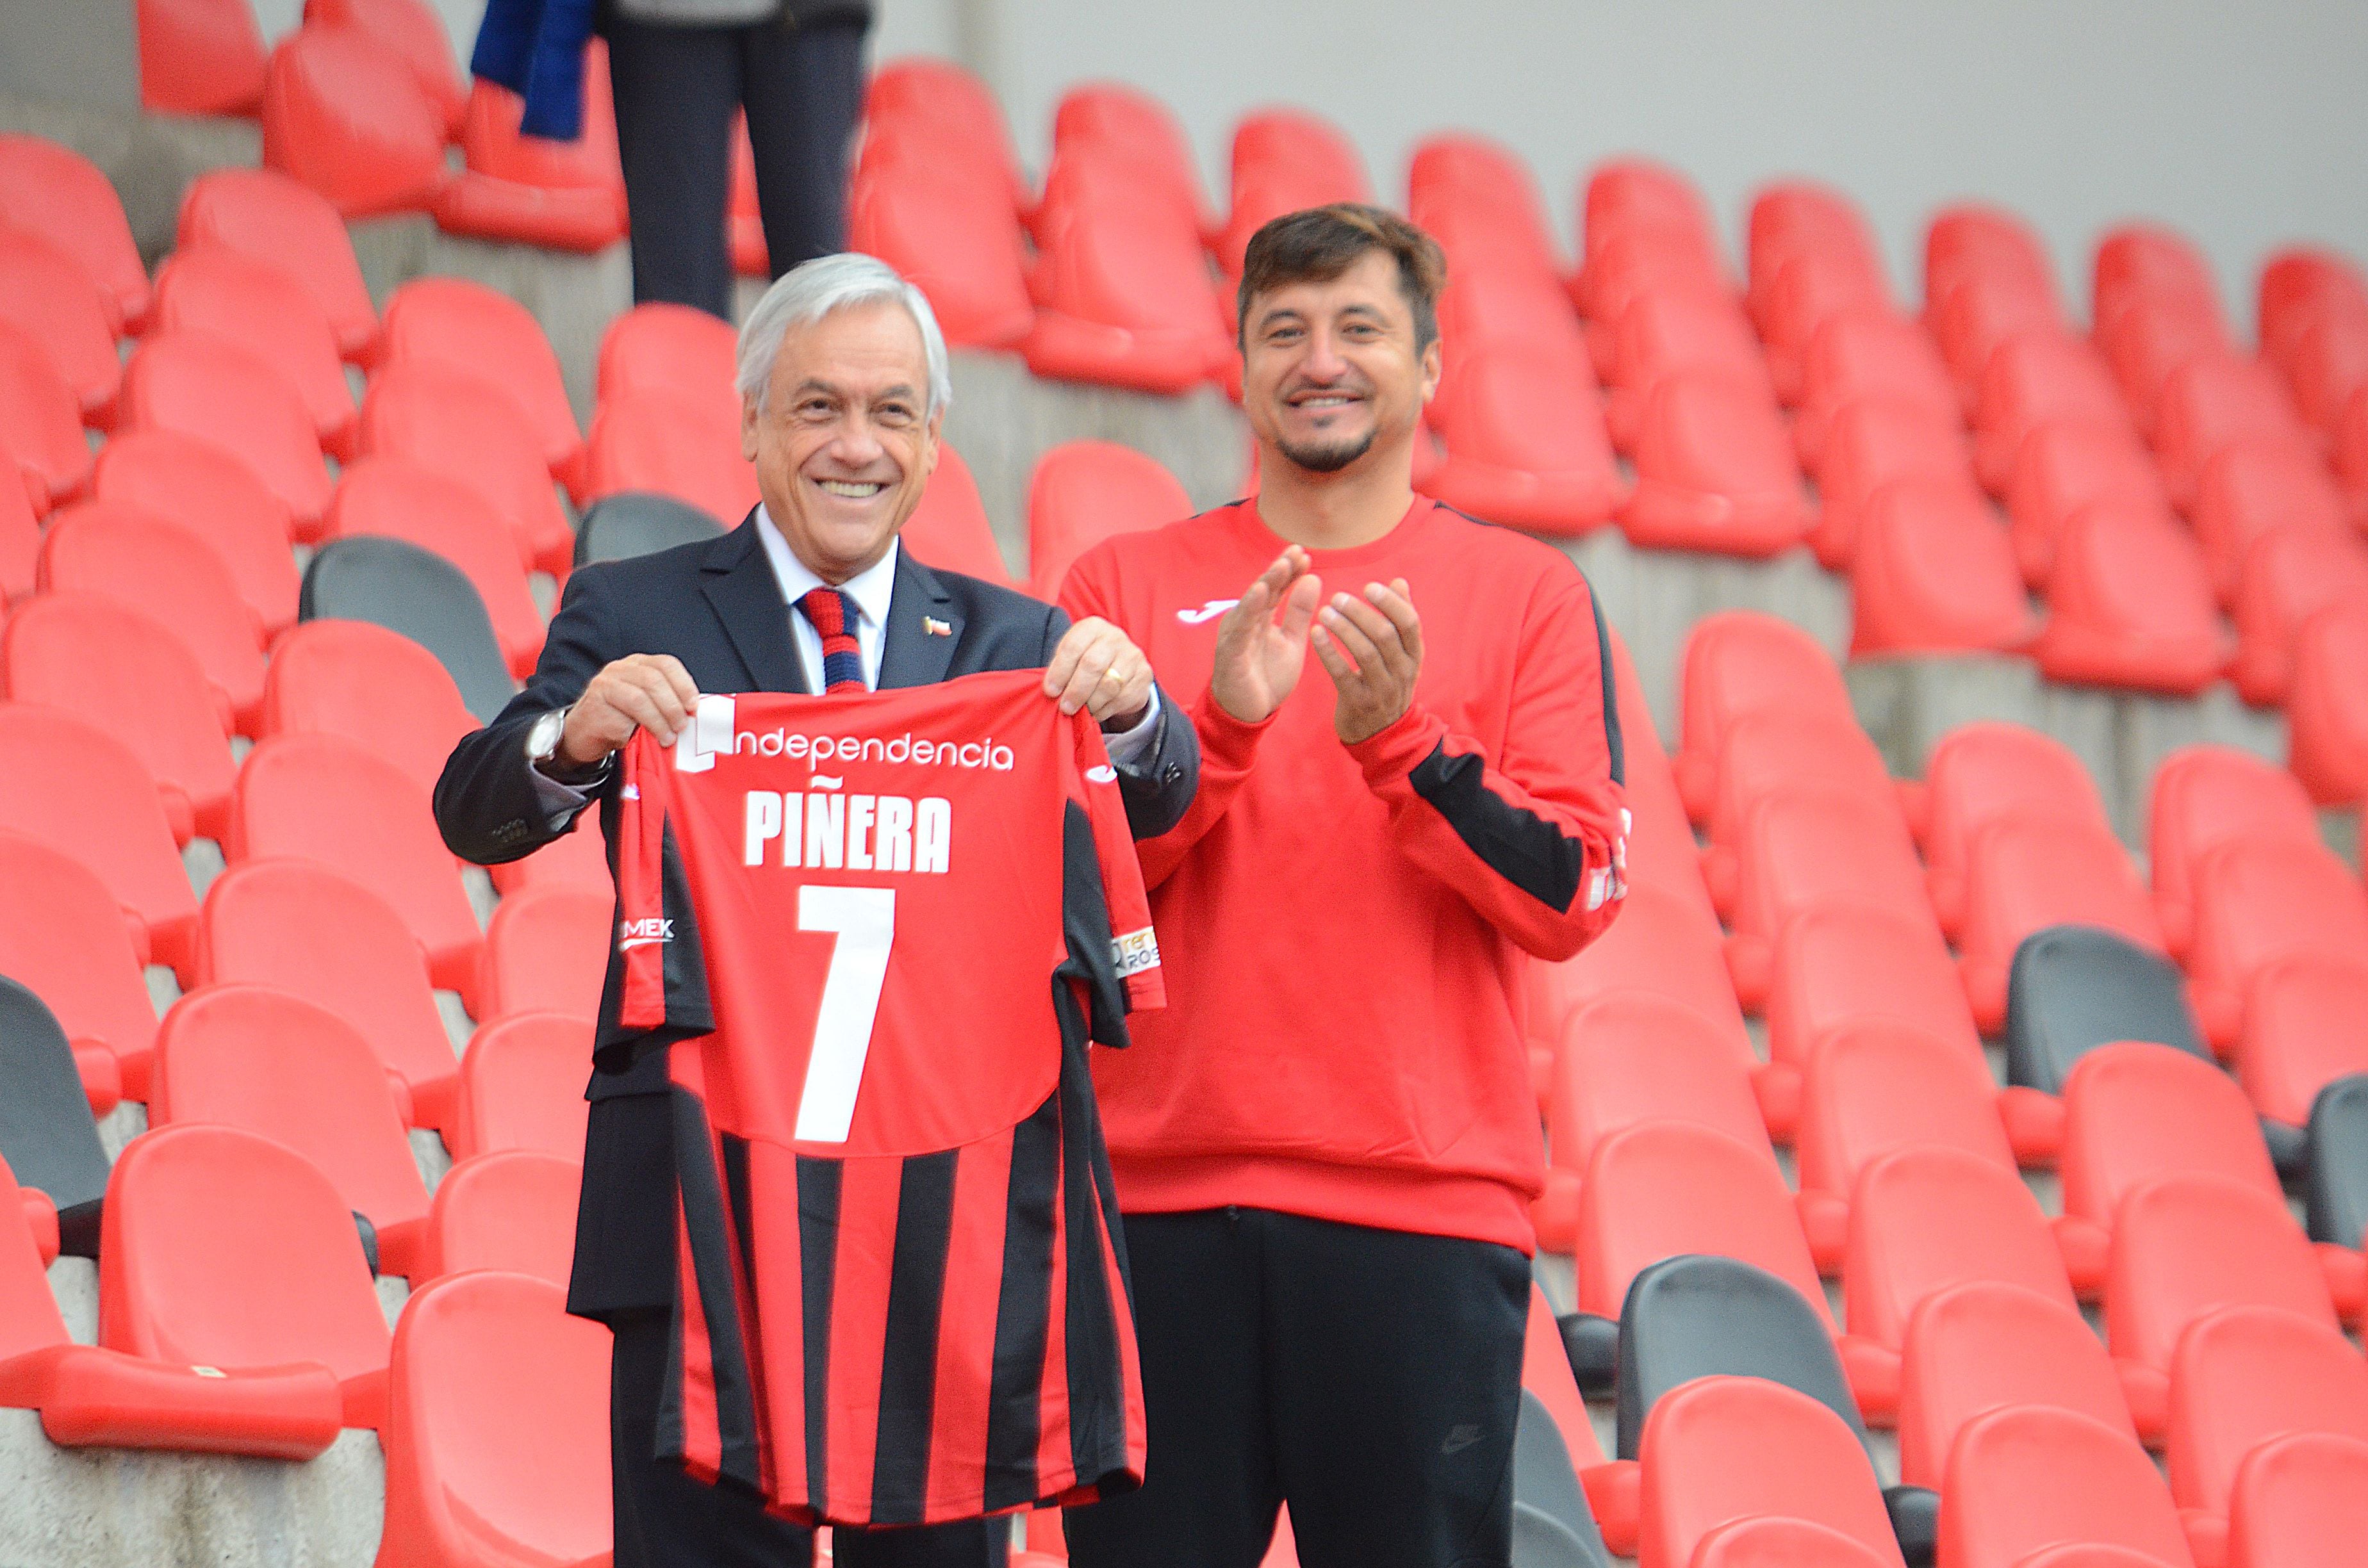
point(1340, 925)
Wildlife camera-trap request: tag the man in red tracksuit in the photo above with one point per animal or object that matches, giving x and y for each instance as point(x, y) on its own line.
point(1326, 1146)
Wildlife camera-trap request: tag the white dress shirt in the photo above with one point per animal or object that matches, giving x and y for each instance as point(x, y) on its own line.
point(870, 592)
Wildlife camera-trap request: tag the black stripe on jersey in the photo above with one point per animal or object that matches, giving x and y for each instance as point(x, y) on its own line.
point(1015, 1417)
point(719, 1301)
point(1516, 843)
point(818, 1189)
point(1097, 1423)
point(1613, 743)
point(908, 1353)
point(735, 1191)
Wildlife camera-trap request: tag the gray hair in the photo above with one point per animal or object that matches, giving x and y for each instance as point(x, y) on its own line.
point(810, 291)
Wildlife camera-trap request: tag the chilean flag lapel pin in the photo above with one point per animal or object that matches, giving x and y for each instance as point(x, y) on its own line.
point(935, 627)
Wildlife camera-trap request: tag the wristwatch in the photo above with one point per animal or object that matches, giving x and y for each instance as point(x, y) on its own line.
point(542, 738)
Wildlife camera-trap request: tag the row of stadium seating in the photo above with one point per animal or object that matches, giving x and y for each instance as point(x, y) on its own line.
point(165, 615)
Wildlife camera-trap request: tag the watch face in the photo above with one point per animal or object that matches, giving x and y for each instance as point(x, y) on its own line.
point(542, 740)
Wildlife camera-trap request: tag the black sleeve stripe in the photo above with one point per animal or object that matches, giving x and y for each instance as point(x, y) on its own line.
point(1517, 844)
point(1613, 745)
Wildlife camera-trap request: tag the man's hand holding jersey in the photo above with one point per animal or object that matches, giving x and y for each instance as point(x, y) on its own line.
point(1096, 667)
point(1371, 647)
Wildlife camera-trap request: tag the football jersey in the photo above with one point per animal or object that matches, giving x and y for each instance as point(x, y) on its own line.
point(882, 927)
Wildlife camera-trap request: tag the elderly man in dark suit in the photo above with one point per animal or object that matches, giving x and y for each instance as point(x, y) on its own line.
point(843, 382)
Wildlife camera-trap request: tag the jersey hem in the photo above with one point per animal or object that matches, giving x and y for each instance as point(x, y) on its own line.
point(1431, 1203)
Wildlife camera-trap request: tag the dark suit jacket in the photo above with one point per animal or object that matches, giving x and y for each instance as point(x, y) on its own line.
point(717, 606)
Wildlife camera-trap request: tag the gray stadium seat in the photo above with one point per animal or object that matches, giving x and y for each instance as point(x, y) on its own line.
point(419, 594)
point(2073, 988)
point(2337, 1187)
point(46, 1133)
point(637, 522)
point(1552, 1525)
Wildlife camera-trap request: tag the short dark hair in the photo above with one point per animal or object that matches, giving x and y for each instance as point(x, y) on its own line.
point(1319, 244)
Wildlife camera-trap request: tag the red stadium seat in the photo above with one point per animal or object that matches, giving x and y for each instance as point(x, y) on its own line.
point(1988, 771)
point(20, 535)
point(305, 930)
point(2027, 873)
point(1869, 353)
point(1084, 492)
point(950, 234)
point(521, 1087)
point(2147, 261)
point(2302, 286)
point(2203, 796)
point(1122, 292)
point(1526, 445)
point(2137, 1110)
point(1714, 473)
point(2288, 577)
point(2328, 707)
point(948, 529)
point(137, 682)
point(2187, 1245)
point(45, 292)
point(1284, 161)
point(2299, 1502)
point(1668, 331)
point(93, 1397)
point(1625, 194)
point(1656, 1189)
point(224, 1249)
point(2210, 403)
point(532, 190)
point(1970, 240)
point(2150, 339)
point(373, 687)
point(2131, 606)
point(157, 567)
point(271, 1064)
point(214, 495)
point(1807, 292)
point(514, 1210)
point(2306, 1025)
point(458, 424)
point(1737, 662)
point(75, 787)
point(1802, 849)
point(2258, 901)
point(547, 952)
point(1849, 963)
point(44, 419)
point(493, 337)
point(413, 29)
point(329, 800)
point(1769, 751)
point(63, 937)
point(2245, 1375)
point(1794, 220)
point(1973, 319)
point(398, 498)
point(1985, 1345)
point(199, 57)
point(256, 304)
point(2259, 486)
point(1645, 261)
point(1874, 441)
point(2326, 367)
point(61, 195)
point(1723, 1456)
point(2036, 378)
point(1933, 573)
point(1457, 176)
point(343, 113)
point(1873, 1086)
point(495, 1431)
point(919, 91)
point(1630, 1058)
point(1923, 1220)
point(664, 442)
point(2035, 1487)
point(1145, 131)
point(196, 383)
point(675, 348)
point(268, 215)
point(2064, 466)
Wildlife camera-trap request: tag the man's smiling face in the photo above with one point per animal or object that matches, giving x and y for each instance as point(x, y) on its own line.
point(1329, 369)
point(843, 443)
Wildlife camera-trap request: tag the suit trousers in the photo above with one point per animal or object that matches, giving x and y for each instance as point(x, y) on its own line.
point(667, 1519)
point(676, 89)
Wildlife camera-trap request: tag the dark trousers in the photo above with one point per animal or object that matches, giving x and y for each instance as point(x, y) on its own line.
point(1370, 1379)
point(677, 88)
point(667, 1519)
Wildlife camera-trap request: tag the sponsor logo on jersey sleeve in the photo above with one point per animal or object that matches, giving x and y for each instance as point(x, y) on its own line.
point(1135, 951)
point(1207, 612)
point(643, 933)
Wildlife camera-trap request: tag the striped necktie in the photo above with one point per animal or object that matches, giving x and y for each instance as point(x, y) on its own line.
point(842, 656)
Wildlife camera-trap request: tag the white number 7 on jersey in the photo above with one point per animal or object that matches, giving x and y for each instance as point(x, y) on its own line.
point(865, 922)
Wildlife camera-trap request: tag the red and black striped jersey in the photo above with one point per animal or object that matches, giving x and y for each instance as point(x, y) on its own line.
point(884, 927)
